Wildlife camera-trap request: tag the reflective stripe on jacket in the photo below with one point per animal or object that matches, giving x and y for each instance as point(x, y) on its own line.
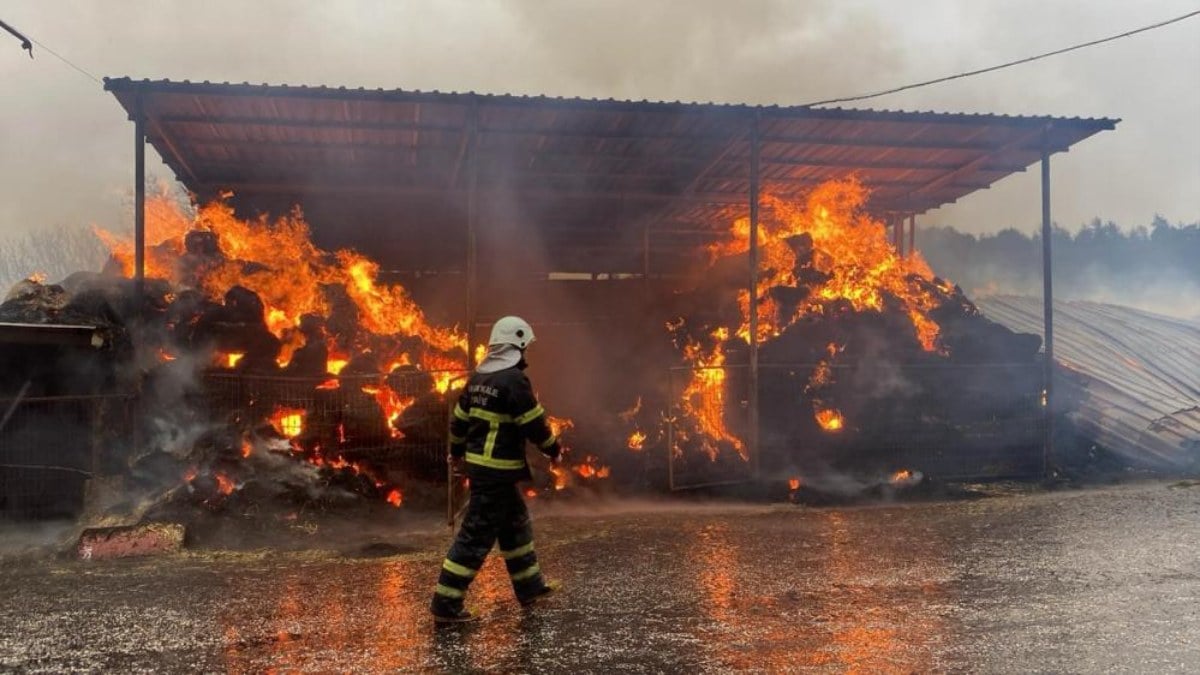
point(494, 417)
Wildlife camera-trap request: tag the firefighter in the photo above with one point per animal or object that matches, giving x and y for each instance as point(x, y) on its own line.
point(494, 417)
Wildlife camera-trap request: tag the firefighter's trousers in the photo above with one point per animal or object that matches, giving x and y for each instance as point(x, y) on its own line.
point(496, 512)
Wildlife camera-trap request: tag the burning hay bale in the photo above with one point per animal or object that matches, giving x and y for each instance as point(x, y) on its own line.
point(264, 364)
point(864, 355)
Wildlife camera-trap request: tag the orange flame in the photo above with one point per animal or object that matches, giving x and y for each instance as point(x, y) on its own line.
point(559, 425)
point(637, 440)
point(395, 498)
point(901, 476)
point(289, 275)
point(561, 477)
point(849, 247)
point(793, 484)
point(531, 493)
point(247, 448)
point(225, 484)
point(164, 356)
point(830, 420)
point(704, 398)
point(392, 404)
point(289, 422)
point(335, 365)
point(229, 359)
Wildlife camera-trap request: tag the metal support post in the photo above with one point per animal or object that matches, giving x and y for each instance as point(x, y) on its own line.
point(472, 131)
point(912, 233)
point(753, 438)
point(646, 260)
point(139, 203)
point(1047, 309)
point(671, 410)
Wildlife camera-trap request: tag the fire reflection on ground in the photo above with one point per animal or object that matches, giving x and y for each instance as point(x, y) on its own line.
point(758, 588)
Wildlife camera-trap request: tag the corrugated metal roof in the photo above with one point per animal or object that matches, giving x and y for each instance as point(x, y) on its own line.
point(582, 170)
point(1137, 374)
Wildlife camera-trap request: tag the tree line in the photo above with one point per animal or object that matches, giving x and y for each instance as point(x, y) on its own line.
point(55, 252)
point(1155, 267)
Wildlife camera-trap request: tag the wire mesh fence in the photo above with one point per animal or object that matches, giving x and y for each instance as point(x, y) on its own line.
point(50, 446)
point(950, 421)
point(399, 421)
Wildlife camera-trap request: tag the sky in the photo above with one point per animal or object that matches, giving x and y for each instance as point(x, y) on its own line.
point(66, 146)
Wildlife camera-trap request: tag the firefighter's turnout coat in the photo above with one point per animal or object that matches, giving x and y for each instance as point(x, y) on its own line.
point(496, 413)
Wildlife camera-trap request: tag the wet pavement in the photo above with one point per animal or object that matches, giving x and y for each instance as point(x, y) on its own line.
point(1096, 580)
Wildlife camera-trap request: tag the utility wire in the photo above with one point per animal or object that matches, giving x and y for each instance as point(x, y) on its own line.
point(27, 46)
point(67, 61)
point(1005, 65)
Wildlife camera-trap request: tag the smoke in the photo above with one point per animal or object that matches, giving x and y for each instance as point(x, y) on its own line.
point(1148, 268)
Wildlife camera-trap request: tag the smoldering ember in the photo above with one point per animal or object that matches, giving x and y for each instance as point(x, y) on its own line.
point(779, 424)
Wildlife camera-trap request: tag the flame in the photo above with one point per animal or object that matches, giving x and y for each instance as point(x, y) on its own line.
point(277, 260)
point(531, 493)
point(561, 477)
point(901, 476)
point(392, 404)
point(289, 422)
point(225, 484)
point(559, 425)
point(229, 359)
point(849, 248)
point(830, 419)
point(627, 416)
point(395, 498)
point(637, 440)
point(164, 355)
point(793, 484)
point(247, 448)
point(37, 277)
point(703, 399)
point(591, 468)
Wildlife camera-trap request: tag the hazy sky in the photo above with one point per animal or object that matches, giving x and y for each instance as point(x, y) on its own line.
point(66, 147)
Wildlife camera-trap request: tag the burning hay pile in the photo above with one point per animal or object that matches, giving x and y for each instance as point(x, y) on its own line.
point(273, 371)
point(267, 368)
point(867, 360)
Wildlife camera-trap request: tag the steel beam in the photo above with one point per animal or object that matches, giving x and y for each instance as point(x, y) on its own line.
point(1047, 308)
point(753, 436)
point(472, 227)
point(139, 202)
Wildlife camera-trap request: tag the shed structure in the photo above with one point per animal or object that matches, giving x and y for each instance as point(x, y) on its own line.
point(429, 182)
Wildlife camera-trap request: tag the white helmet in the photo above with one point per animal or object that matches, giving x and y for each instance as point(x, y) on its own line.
point(511, 330)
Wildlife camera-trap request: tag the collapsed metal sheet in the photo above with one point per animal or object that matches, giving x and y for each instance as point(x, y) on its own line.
point(1136, 375)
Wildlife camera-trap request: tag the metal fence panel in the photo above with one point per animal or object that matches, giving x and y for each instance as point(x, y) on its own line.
point(399, 421)
point(949, 421)
point(707, 427)
point(49, 447)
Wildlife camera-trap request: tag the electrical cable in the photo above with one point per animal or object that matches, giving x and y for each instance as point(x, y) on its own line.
point(67, 61)
point(1018, 62)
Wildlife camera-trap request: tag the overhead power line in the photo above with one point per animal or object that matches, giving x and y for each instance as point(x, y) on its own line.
point(1006, 65)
